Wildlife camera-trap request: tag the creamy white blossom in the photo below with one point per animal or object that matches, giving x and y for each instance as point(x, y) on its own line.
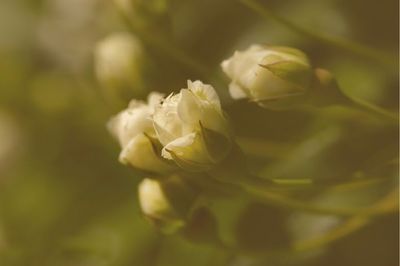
point(267, 74)
point(119, 60)
point(182, 120)
point(133, 128)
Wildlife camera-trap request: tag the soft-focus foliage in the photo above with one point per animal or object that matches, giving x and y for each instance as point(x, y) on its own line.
point(66, 200)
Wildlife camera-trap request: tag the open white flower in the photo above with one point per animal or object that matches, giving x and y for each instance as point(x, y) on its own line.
point(186, 123)
point(268, 74)
point(133, 127)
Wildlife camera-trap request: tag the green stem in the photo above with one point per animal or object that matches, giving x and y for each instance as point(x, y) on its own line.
point(278, 199)
point(331, 40)
point(327, 91)
point(306, 184)
point(374, 109)
point(351, 225)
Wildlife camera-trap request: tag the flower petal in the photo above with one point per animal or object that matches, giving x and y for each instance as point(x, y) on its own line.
point(154, 99)
point(204, 92)
point(236, 91)
point(167, 122)
point(140, 153)
point(188, 148)
point(189, 109)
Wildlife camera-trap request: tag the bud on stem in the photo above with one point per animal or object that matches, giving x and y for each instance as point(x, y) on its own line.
point(166, 202)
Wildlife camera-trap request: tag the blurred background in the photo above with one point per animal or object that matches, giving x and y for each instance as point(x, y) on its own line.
point(66, 200)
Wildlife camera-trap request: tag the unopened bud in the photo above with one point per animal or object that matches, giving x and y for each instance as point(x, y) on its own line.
point(275, 77)
point(166, 202)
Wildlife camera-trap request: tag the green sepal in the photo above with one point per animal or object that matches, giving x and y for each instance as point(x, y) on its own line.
point(188, 165)
point(300, 75)
point(157, 147)
point(217, 144)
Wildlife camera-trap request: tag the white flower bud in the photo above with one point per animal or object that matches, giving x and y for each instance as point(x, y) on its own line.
point(166, 202)
point(192, 127)
point(119, 61)
point(133, 127)
point(273, 76)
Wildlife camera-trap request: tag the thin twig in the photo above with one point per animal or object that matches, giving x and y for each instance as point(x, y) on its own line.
point(331, 40)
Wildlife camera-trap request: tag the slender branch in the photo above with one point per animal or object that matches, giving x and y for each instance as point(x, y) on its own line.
point(278, 199)
point(331, 40)
point(372, 108)
point(348, 227)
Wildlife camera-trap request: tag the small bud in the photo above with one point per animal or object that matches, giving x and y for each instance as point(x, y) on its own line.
point(166, 202)
point(119, 61)
point(134, 130)
point(275, 77)
point(187, 125)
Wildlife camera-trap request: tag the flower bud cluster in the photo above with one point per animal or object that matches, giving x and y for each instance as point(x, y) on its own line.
point(184, 132)
point(188, 128)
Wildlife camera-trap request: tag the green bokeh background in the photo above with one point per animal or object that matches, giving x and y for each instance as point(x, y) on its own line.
point(65, 199)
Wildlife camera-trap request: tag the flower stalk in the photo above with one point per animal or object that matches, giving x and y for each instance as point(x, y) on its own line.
point(330, 40)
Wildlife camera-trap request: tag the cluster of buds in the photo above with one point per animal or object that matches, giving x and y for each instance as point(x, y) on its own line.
point(188, 128)
point(188, 133)
point(168, 136)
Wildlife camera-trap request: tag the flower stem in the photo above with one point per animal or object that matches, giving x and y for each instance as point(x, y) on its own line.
point(374, 109)
point(349, 226)
point(327, 91)
point(260, 191)
point(331, 40)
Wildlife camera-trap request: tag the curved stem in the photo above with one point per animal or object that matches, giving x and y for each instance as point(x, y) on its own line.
point(331, 40)
point(327, 91)
point(351, 225)
point(371, 108)
point(277, 199)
